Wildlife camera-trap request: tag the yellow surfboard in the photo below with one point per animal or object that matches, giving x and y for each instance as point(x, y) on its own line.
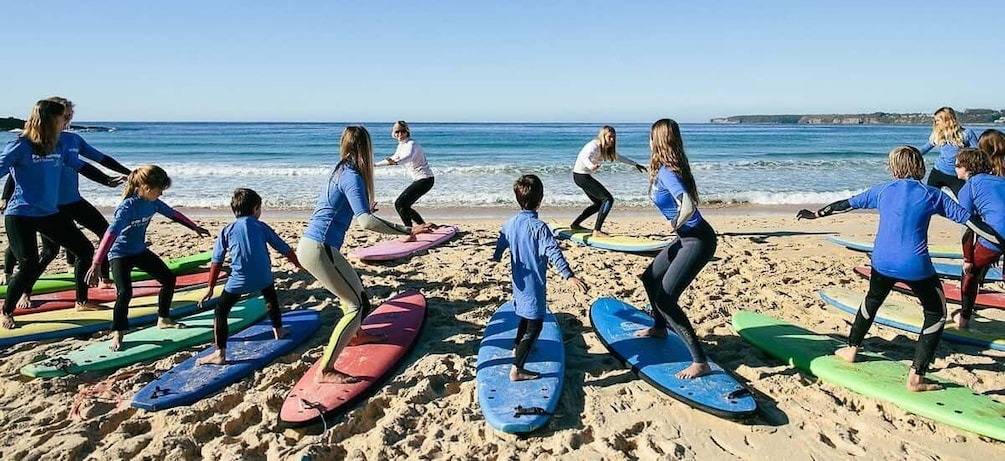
point(624, 243)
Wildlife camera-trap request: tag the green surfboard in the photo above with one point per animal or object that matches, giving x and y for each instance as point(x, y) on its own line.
point(872, 376)
point(146, 344)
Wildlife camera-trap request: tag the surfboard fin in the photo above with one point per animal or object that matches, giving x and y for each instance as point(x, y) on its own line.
point(521, 410)
point(741, 392)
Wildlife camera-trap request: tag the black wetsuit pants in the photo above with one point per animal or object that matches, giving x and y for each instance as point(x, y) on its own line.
point(81, 212)
point(411, 194)
point(21, 234)
point(526, 334)
point(938, 179)
point(221, 330)
point(602, 200)
point(147, 262)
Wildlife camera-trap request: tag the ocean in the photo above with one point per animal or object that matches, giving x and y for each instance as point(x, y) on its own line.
point(475, 163)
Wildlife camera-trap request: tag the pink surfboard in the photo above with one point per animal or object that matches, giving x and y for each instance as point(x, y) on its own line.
point(985, 298)
point(395, 249)
point(400, 319)
point(67, 299)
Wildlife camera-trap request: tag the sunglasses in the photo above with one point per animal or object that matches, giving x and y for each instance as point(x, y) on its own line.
point(397, 131)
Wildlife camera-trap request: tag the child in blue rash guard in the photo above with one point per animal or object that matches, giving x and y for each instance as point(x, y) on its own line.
point(125, 246)
point(901, 254)
point(251, 268)
point(603, 148)
point(346, 197)
point(531, 246)
point(674, 192)
point(983, 195)
point(949, 137)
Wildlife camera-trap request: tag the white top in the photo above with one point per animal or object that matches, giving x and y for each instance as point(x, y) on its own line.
point(409, 153)
point(589, 158)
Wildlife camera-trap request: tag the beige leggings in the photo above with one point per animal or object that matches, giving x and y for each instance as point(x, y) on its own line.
point(330, 268)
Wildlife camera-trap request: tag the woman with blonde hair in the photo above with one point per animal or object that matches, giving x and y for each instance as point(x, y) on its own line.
point(604, 148)
point(992, 142)
point(347, 195)
point(409, 153)
point(949, 137)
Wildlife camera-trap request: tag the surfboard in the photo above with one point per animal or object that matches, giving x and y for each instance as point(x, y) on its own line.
point(985, 298)
point(146, 343)
point(625, 243)
point(67, 322)
point(68, 298)
point(955, 271)
point(935, 251)
point(523, 406)
point(657, 360)
point(400, 318)
point(874, 375)
point(910, 317)
point(396, 249)
point(49, 283)
point(248, 350)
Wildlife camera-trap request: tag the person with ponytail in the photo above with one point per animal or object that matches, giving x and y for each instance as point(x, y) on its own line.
point(346, 196)
point(409, 153)
point(124, 244)
point(675, 194)
point(949, 137)
point(602, 149)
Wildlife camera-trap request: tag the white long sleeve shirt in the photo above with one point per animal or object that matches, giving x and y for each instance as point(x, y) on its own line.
point(589, 157)
point(409, 153)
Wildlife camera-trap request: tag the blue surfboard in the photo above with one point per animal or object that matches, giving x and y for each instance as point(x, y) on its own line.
point(657, 360)
point(955, 271)
point(935, 251)
point(523, 406)
point(248, 350)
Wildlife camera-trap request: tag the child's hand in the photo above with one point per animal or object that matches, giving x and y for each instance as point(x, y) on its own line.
point(206, 297)
point(806, 214)
point(577, 283)
point(201, 231)
point(92, 275)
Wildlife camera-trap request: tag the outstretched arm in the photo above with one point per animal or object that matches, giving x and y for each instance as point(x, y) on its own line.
point(94, 174)
point(840, 206)
point(179, 218)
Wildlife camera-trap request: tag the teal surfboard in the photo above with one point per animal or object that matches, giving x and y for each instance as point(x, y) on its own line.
point(935, 251)
point(873, 375)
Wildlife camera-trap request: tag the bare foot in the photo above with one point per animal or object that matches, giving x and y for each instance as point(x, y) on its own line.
point(280, 333)
point(335, 377)
point(168, 322)
point(651, 333)
point(597, 233)
point(918, 383)
point(216, 358)
point(695, 370)
point(847, 353)
point(88, 306)
point(960, 322)
point(116, 341)
point(408, 238)
point(106, 284)
point(24, 302)
point(7, 322)
point(362, 337)
point(516, 374)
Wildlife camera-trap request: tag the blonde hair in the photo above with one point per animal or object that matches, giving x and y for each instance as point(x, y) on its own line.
point(975, 161)
point(400, 125)
point(43, 126)
point(608, 152)
point(151, 176)
point(906, 162)
point(946, 128)
point(357, 150)
point(668, 150)
point(992, 142)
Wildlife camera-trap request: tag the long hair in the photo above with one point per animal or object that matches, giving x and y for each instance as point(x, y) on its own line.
point(43, 126)
point(906, 162)
point(67, 104)
point(400, 125)
point(668, 150)
point(992, 142)
point(357, 150)
point(151, 176)
point(946, 128)
point(608, 152)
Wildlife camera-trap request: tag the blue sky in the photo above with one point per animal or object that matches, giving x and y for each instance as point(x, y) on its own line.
point(498, 60)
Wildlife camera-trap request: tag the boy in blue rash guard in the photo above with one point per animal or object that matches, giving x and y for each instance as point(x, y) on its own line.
point(906, 207)
point(949, 137)
point(125, 246)
point(983, 194)
point(675, 193)
point(347, 196)
point(531, 245)
point(251, 268)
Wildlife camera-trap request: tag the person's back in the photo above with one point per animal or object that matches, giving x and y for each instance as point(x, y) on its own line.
point(525, 233)
point(986, 195)
point(246, 240)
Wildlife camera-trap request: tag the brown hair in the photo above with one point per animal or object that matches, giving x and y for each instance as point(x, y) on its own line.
point(151, 176)
point(608, 152)
point(529, 191)
point(357, 150)
point(992, 142)
point(975, 161)
point(244, 202)
point(906, 162)
point(43, 126)
point(667, 149)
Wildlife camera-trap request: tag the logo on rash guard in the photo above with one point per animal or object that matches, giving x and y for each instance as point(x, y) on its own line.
point(35, 158)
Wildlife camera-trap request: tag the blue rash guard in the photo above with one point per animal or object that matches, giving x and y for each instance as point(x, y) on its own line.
point(666, 190)
point(36, 178)
point(250, 265)
point(75, 147)
point(343, 199)
point(531, 245)
point(905, 209)
point(946, 162)
point(984, 195)
point(130, 222)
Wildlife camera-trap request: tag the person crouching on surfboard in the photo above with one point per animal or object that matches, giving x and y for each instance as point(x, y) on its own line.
point(346, 195)
point(531, 245)
point(675, 194)
point(900, 253)
point(251, 268)
point(409, 153)
point(603, 148)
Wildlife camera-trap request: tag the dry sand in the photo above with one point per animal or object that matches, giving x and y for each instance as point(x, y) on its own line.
point(766, 262)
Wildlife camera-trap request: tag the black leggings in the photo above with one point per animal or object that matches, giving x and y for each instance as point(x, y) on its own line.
point(411, 194)
point(59, 228)
point(933, 303)
point(147, 262)
point(670, 273)
point(85, 214)
point(938, 179)
point(598, 194)
point(221, 329)
point(526, 334)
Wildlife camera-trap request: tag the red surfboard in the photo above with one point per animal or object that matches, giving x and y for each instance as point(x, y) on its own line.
point(67, 299)
point(400, 319)
point(985, 298)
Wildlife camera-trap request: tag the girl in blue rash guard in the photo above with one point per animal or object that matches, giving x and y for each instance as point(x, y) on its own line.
point(346, 196)
point(674, 192)
point(125, 246)
point(983, 195)
point(36, 164)
point(901, 254)
point(949, 137)
point(603, 148)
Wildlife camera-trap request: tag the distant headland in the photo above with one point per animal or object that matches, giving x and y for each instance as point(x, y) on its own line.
point(968, 116)
point(11, 123)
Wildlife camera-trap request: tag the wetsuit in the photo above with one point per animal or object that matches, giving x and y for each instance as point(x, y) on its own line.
point(944, 172)
point(983, 195)
point(582, 174)
point(410, 153)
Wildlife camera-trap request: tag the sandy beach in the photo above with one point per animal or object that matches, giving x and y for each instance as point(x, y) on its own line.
point(766, 262)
